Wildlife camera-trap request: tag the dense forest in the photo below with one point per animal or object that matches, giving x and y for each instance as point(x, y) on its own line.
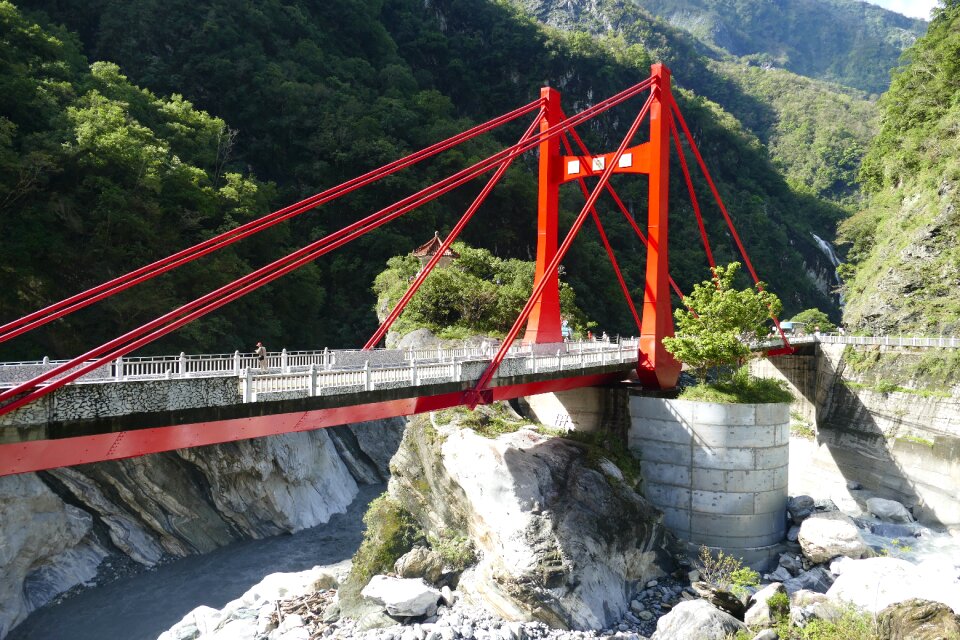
point(244, 108)
point(903, 271)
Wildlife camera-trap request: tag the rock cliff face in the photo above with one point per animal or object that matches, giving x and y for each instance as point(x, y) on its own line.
point(56, 528)
point(562, 537)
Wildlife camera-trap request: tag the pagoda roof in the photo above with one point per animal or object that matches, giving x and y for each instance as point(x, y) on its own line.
point(430, 248)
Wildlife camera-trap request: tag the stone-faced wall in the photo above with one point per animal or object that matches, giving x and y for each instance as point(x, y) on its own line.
point(899, 443)
point(717, 471)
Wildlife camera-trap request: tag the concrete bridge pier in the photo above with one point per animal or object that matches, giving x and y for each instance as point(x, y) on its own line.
point(718, 472)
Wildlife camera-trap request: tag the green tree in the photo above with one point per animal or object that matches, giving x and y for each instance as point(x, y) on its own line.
point(715, 329)
point(814, 319)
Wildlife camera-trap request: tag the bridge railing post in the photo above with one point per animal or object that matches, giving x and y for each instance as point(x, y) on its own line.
point(284, 361)
point(118, 368)
point(621, 351)
point(457, 370)
point(313, 379)
point(46, 360)
point(581, 357)
point(367, 376)
point(236, 363)
point(603, 356)
point(413, 372)
point(559, 360)
point(248, 385)
point(439, 353)
point(533, 357)
point(182, 364)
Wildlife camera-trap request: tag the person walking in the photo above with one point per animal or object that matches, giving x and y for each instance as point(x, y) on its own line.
point(261, 353)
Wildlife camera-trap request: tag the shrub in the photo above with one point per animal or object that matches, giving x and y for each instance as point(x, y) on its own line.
point(725, 572)
point(390, 533)
point(719, 323)
point(454, 548)
point(740, 388)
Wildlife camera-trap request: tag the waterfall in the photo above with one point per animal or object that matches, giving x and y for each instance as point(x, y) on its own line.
point(827, 249)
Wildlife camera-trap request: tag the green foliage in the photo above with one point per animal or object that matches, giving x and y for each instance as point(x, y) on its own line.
point(814, 320)
point(390, 533)
point(476, 294)
point(779, 605)
point(852, 624)
point(723, 571)
point(491, 420)
point(739, 388)
point(903, 252)
point(719, 323)
point(454, 548)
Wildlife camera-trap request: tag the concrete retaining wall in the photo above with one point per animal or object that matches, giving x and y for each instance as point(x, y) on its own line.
point(717, 471)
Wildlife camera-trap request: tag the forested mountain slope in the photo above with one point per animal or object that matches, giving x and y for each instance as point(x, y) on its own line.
point(314, 93)
point(815, 132)
point(904, 261)
point(845, 41)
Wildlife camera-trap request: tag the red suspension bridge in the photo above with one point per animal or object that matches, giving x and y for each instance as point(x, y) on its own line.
point(563, 157)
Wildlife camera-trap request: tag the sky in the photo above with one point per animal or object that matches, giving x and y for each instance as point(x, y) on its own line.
point(912, 8)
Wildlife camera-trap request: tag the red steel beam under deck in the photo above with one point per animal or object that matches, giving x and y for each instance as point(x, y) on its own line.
point(39, 455)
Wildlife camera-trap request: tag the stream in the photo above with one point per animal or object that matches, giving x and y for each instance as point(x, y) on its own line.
point(142, 606)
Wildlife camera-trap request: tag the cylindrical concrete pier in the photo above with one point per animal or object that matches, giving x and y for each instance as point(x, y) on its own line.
point(717, 471)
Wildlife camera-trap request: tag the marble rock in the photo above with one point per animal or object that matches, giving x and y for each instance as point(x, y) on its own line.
point(696, 619)
point(402, 597)
point(824, 536)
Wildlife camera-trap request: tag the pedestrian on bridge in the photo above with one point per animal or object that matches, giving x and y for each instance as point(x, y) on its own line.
point(261, 353)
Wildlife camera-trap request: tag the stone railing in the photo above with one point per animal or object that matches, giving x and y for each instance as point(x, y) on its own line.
point(302, 363)
point(455, 365)
point(940, 342)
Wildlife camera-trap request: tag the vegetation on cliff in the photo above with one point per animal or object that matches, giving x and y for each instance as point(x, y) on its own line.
point(903, 269)
point(477, 294)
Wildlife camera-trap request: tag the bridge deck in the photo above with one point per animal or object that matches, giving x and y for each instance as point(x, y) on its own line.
point(104, 419)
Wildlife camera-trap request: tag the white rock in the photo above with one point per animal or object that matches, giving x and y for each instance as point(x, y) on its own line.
point(401, 597)
point(696, 619)
point(759, 614)
point(824, 536)
point(889, 510)
point(766, 634)
point(241, 629)
point(535, 536)
point(875, 583)
point(203, 620)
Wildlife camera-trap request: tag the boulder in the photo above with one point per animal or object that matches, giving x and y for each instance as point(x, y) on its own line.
point(780, 574)
point(402, 597)
point(791, 562)
point(889, 510)
point(918, 620)
point(876, 583)
point(721, 599)
point(417, 339)
point(800, 508)
point(758, 612)
point(558, 540)
point(824, 536)
point(816, 579)
point(420, 562)
point(696, 619)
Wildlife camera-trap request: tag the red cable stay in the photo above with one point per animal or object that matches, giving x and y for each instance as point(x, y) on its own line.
point(540, 313)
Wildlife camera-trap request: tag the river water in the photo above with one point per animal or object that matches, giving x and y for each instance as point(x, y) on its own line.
point(142, 606)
